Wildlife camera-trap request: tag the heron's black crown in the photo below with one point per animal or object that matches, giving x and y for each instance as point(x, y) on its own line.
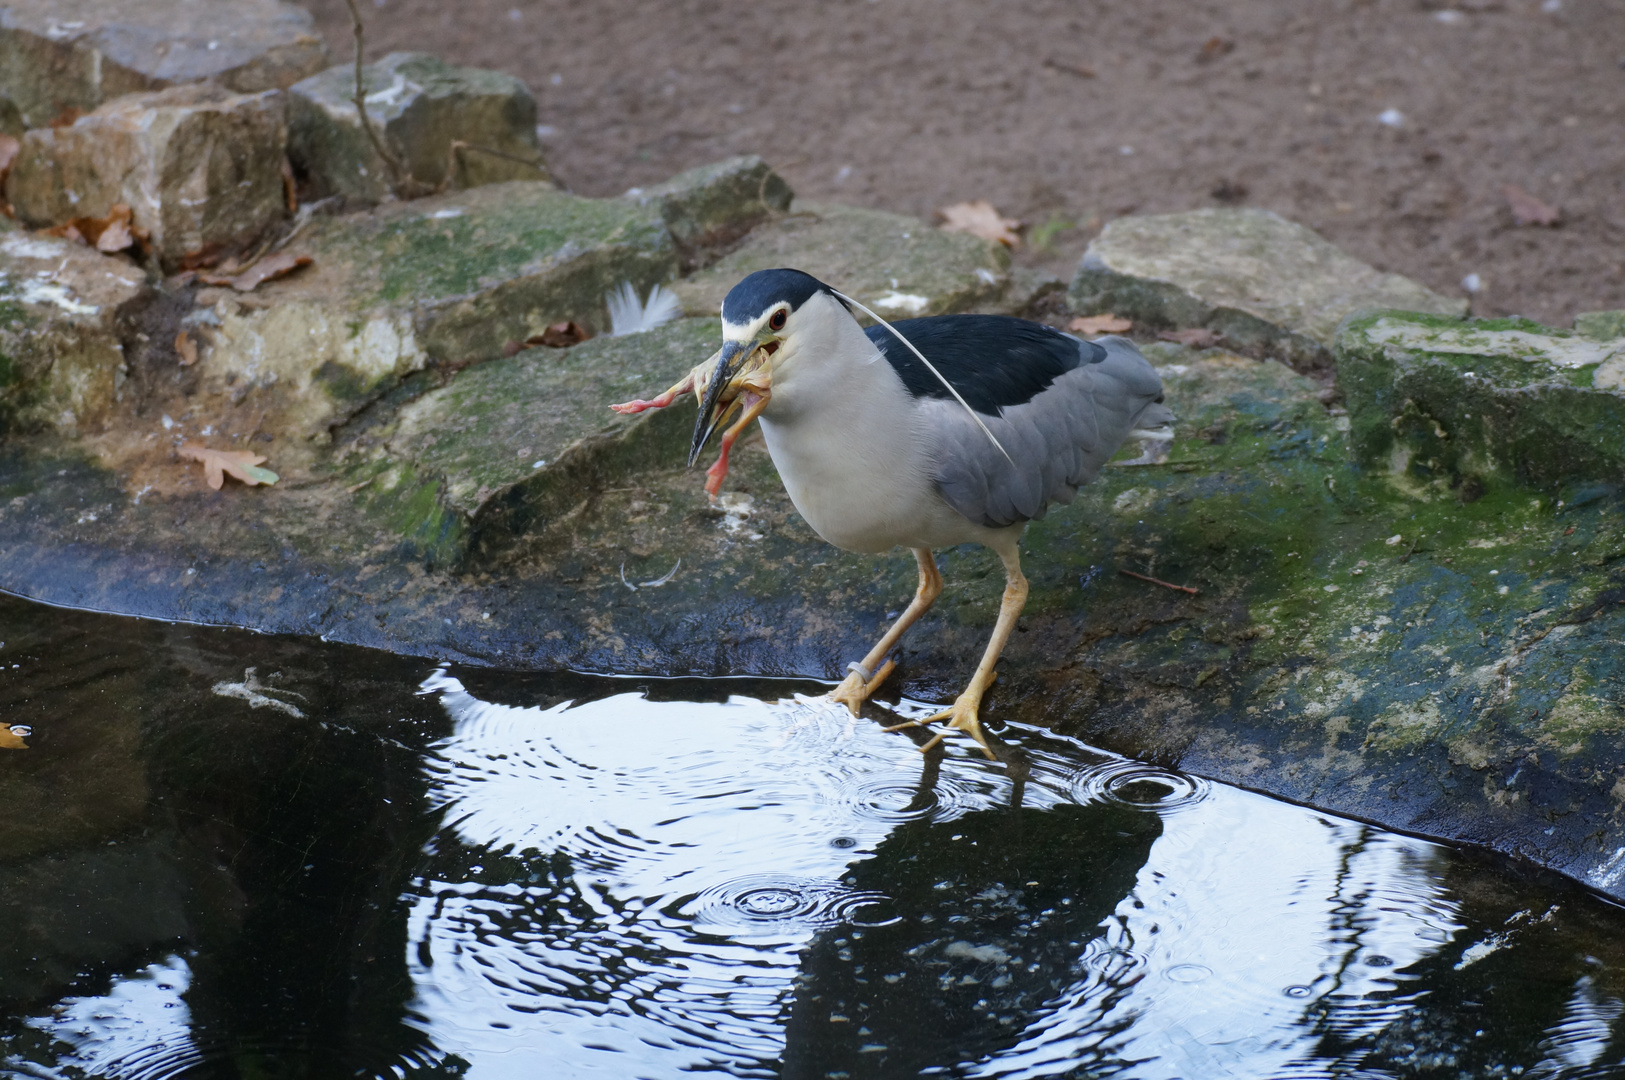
point(761, 290)
point(994, 361)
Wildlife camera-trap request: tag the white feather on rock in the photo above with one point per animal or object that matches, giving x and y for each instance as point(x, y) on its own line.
point(629, 315)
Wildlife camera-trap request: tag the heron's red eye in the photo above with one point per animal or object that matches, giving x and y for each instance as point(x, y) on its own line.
point(776, 320)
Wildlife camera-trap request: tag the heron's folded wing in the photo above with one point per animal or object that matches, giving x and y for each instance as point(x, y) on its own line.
point(1057, 440)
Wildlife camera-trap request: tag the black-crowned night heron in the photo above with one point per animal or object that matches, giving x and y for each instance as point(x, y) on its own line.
point(925, 433)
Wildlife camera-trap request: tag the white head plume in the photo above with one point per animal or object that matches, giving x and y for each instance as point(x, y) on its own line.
point(629, 315)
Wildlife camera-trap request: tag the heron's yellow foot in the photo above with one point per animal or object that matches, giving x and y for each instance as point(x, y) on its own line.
point(855, 689)
point(962, 716)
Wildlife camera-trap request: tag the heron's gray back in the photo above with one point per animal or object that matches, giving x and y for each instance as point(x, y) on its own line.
point(1057, 441)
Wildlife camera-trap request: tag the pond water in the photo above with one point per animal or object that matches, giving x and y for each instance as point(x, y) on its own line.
point(229, 855)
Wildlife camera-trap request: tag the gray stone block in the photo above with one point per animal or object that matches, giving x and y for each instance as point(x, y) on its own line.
point(57, 55)
point(1267, 284)
point(61, 363)
point(900, 266)
point(712, 206)
point(420, 106)
point(199, 166)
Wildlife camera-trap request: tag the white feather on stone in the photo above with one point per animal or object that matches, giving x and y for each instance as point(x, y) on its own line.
point(629, 315)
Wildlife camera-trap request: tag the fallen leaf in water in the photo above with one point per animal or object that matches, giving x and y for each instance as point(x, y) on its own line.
point(242, 464)
point(979, 218)
point(1099, 324)
point(109, 234)
point(186, 349)
point(1528, 210)
point(11, 738)
point(1197, 337)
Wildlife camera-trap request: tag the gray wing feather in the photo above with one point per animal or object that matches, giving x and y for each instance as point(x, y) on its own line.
point(1058, 440)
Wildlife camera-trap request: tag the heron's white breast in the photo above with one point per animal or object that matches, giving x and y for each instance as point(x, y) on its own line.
point(848, 441)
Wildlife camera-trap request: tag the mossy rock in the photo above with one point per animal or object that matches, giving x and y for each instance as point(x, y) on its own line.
point(897, 265)
point(1446, 406)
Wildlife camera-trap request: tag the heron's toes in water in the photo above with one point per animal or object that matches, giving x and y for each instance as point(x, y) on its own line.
point(961, 716)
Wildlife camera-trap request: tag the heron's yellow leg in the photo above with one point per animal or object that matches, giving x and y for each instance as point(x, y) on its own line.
point(963, 714)
point(865, 679)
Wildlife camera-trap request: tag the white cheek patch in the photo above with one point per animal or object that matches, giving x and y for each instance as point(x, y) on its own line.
point(739, 331)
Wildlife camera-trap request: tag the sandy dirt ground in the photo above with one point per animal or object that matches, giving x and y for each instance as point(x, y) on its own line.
point(1391, 126)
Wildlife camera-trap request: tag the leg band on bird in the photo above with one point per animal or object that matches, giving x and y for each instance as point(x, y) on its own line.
point(860, 684)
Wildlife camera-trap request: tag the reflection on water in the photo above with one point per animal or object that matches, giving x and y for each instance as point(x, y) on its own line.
point(392, 873)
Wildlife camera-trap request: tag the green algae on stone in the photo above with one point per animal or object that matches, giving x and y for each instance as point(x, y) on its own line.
point(1443, 405)
point(900, 266)
point(1268, 284)
point(517, 440)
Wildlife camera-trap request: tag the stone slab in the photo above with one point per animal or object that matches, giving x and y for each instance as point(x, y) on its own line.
point(200, 168)
point(1453, 408)
point(1269, 285)
point(897, 265)
point(446, 281)
point(61, 354)
point(57, 55)
point(420, 106)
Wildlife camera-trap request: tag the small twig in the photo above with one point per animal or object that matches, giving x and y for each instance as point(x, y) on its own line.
point(1159, 581)
point(405, 185)
point(1407, 556)
point(1077, 70)
point(454, 161)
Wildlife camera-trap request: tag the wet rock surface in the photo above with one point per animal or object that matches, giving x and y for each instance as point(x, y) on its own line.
point(1269, 285)
point(60, 55)
point(449, 127)
point(1429, 651)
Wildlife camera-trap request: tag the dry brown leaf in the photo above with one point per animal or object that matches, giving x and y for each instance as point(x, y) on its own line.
point(67, 117)
point(11, 738)
point(9, 148)
point(187, 350)
point(268, 269)
point(979, 218)
point(1527, 209)
point(560, 335)
point(1197, 337)
point(243, 464)
point(1214, 47)
point(1100, 324)
point(110, 234)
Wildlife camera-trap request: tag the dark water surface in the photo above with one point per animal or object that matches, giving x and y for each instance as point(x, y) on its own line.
point(226, 855)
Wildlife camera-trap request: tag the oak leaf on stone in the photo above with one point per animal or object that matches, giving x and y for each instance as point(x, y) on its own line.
point(242, 464)
point(980, 218)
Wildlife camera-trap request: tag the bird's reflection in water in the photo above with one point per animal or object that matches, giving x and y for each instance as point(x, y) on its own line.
point(994, 916)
